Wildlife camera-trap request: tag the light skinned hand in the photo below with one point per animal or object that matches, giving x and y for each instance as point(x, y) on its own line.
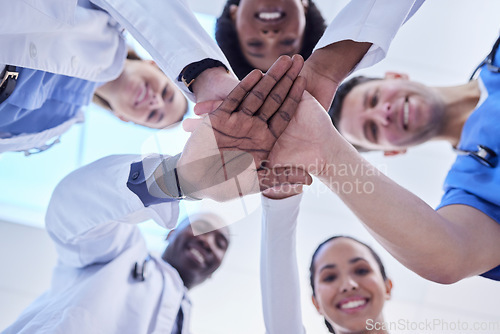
point(234, 141)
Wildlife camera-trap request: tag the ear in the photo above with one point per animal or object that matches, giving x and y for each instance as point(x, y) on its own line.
point(393, 153)
point(233, 9)
point(316, 304)
point(305, 3)
point(388, 288)
point(396, 75)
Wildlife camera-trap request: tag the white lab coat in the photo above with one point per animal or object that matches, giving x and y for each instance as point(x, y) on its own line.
point(279, 275)
point(374, 21)
point(76, 38)
point(91, 218)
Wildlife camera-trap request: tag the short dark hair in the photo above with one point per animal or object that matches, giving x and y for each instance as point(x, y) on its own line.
point(345, 88)
point(227, 37)
point(312, 268)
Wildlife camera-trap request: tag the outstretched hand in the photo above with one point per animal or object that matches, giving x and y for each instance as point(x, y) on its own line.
point(234, 141)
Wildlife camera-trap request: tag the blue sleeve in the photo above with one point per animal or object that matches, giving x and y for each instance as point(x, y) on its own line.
point(137, 184)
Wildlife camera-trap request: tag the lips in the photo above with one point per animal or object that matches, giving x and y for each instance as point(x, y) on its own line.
point(142, 95)
point(353, 304)
point(270, 16)
point(198, 255)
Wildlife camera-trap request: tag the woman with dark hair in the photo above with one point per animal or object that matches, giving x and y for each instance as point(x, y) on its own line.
point(254, 33)
point(348, 279)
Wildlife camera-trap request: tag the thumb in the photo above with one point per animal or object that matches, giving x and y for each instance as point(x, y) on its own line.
point(206, 107)
point(190, 124)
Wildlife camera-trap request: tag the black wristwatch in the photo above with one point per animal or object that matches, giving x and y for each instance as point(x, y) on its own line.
point(189, 74)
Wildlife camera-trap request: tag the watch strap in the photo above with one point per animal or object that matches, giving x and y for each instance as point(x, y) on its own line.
point(189, 74)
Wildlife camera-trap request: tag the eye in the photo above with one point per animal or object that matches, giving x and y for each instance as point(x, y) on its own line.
point(288, 42)
point(329, 278)
point(164, 92)
point(222, 242)
point(152, 114)
point(374, 100)
point(362, 271)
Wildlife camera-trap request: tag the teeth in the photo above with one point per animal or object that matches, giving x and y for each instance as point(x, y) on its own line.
point(353, 304)
point(270, 16)
point(406, 115)
point(198, 255)
point(142, 96)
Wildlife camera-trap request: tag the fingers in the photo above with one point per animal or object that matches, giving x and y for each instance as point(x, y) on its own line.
point(190, 124)
point(260, 92)
point(280, 91)
point(233, 100)
point(279, 120)
point(202, 108)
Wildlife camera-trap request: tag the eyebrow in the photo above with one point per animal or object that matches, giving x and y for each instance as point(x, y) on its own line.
point(332, 266)
point(357, 259)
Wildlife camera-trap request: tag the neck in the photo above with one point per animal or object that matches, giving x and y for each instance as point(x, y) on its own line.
point(459, 103)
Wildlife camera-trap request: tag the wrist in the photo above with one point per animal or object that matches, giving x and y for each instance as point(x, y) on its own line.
point(207, 78)
point(193, 73)
point(336, 61)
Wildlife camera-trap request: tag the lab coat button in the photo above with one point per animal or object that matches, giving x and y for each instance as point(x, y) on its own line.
point(135, 175)
point(33, 51)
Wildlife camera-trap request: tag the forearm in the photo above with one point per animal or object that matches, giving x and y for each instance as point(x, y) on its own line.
point(279, 276)
point(419, 237)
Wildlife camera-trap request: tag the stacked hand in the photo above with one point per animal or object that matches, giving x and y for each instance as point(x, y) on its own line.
point(230, 146)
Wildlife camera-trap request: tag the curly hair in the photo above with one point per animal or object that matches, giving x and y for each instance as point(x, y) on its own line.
point(312, 267)
point(227, 37)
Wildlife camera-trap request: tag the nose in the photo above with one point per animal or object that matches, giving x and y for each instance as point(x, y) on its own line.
point(270, 32)
point(348, 284)
point(383, 113)
point(155, 101)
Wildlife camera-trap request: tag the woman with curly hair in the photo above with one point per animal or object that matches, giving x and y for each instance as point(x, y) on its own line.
point(254, 33)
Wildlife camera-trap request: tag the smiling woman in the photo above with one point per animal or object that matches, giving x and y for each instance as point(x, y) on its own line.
point(254, 33)
point(348, 280)
point(349, 284)
point(142, 94)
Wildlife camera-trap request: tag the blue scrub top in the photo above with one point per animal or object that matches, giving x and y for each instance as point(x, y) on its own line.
point(469, 182)
point(41, 101)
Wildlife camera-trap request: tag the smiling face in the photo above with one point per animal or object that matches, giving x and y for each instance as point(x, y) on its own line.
point(268, 29)
point(348, 285)
point(144, 95)
point(390, 114)
point(196, 258)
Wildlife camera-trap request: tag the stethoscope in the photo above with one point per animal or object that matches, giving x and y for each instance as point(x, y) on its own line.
point(484, 155)
point(139, 271)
